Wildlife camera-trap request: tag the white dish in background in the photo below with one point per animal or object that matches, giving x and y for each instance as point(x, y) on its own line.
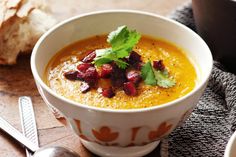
point(230, 150)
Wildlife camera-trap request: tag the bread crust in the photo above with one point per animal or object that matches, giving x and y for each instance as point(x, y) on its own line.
point(21, 25)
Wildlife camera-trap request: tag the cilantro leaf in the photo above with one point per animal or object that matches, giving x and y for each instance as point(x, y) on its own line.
point(163, 79)
point(118, 37)
point(122, 42)
point(121, 64)
point(104, 56)
point(100, 61)
point(103, 52)
point(148, 74)
point(154, 77)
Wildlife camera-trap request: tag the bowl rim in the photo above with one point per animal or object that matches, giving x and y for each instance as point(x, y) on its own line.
point(71, 102)
point(229, 145)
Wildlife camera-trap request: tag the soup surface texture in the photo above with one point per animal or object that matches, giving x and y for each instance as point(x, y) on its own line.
point(174, 59)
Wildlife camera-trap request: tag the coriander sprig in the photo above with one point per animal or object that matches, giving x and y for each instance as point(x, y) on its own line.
point(122, 42)
point(154, 77)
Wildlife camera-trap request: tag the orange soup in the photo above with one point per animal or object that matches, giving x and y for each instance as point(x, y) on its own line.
point(174, 59)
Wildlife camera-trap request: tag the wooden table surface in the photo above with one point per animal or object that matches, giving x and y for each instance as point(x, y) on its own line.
point(17, 80)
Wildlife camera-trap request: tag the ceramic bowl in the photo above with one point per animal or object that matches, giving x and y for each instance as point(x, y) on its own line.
point(109, 132)
point(230, 150)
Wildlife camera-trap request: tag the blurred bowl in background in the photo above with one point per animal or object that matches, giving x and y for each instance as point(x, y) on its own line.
point(216, 23)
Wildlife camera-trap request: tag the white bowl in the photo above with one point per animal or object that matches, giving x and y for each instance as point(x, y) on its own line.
point(230, 150)
point(109, 132)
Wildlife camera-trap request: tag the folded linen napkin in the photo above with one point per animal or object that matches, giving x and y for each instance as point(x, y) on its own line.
point(209, 127)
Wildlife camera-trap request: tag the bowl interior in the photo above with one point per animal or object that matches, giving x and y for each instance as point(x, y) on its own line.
point(97, 23)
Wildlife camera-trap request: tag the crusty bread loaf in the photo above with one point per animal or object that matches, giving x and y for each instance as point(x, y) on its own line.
point(22, 22)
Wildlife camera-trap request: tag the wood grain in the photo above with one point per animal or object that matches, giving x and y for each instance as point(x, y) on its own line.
point(17, 80)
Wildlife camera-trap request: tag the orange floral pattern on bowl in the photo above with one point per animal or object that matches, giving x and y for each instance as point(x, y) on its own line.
point(62, 120)
point(159, 132)
point(58, 116)
point(106, 136)
point(81, 135)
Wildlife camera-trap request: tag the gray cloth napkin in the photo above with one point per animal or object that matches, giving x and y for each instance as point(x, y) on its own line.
point(209, 127)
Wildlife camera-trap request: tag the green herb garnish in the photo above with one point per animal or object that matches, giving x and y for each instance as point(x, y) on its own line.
point(148, 74)
point(155, 77)
point(122, 42)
